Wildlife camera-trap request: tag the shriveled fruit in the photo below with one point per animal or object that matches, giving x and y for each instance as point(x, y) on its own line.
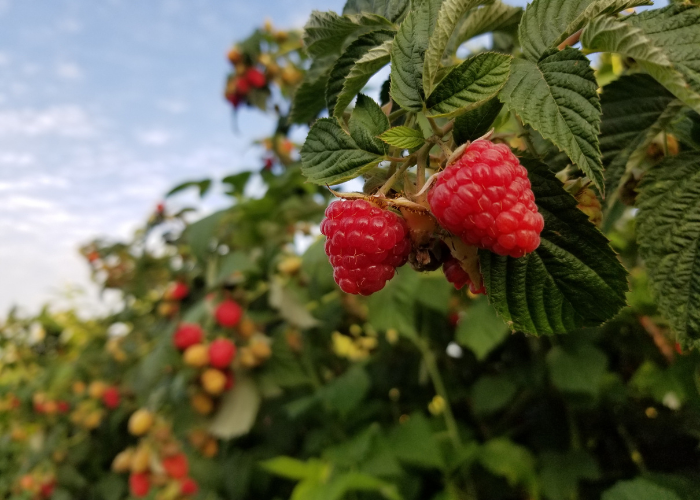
point(213, 381)
point(140, 422)
point(365, 245)
point(221, 353)
point(228, 313)
point(186, 335)
point(486, 199)
point(202, 403)
point(459, 277)
point(588, 203)
point(196, 356)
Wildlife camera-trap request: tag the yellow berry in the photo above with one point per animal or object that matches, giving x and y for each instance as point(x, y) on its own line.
point(140, 422)
point(213, 381)
point(196, 356)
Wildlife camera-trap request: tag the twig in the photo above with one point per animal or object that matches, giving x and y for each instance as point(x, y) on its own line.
point(395, 176)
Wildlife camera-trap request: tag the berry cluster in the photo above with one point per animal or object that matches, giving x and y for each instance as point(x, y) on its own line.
point(459, 277)
point(485, 198)
point(365, 245)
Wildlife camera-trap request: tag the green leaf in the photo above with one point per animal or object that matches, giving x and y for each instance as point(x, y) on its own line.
point(561, 473)
point(473, 124)
point(512, 461)
point(609, 34)
point(238, 410)
point(547, 23)
point(393, 307)
point(637, 489)
point(451, 12)
point(337, 82)
point(491, 393)
point(558, 97)
point(366, 123)
point(480, 329)
point(233, 265)
point(346, 392)
point(635, 109)
point(200, 234)
point(414, 443)
point(237, 182)
point(202, 185)
point(675, 30)
point(577, 370)
point(403, 137)
point(309, 98)
point(470, 84)
point(393, 10)
point(289, 305)
point(574, 279)
point(487, 18)
point(668, 233)
point(407, 53)
point(291, 468)
point(330, 156)
point(328, 33)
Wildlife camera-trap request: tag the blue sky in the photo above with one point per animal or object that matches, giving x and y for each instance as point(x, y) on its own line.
point(105, 105)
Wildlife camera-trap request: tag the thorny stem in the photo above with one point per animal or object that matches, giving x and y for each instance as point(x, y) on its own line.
point(436, 378)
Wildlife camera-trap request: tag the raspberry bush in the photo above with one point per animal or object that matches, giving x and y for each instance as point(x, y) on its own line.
point(401, 342)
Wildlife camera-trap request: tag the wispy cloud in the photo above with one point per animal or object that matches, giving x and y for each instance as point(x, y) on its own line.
point(63, 120)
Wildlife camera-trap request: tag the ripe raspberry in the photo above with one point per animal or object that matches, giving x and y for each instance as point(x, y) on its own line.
point(177, 291)
point(111, 398)
point(139, 484)
point(186, 335)
point(228, 313)
point(255, 78)
point(188, 486)
point(221, 353)
point(459, 277)
point(365, 245)
point(485, 198)
point(176, 466)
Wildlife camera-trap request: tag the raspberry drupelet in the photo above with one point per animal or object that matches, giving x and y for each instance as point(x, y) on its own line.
point(459, 277)
point(364, 244)
point(486, 199)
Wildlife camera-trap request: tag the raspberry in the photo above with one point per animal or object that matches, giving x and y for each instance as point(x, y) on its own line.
point(177, 291)
point(365, 245)
point(459, 277)
point(139, 484)
point(485, 198)
point(221, 353)
point(111, 398)
point(186, 335)
point(255, 78)
point(188, 486)
point(228, 313)
point(176, 466)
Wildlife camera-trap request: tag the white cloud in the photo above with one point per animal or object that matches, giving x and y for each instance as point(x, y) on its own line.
point(69, 71)
point(154, 137)
point(63, 120)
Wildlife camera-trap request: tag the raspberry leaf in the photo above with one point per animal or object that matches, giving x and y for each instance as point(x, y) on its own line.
point(366, 123)
point(328, 33)
point(331, 156)
point(639, 488)
point(558, 97)
point(475, 123)
point(668, 233)
point(451, 12)
point(470, 84)
point(338, 93)
point(573, 280)
point(361, 71)
point(308, 100)
point(403, 137)
point(393, 10)
point(407, 53)
point(494, 17)
point(548, 23)
point(635, 109)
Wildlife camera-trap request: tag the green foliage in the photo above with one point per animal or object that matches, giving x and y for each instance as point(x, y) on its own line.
point(403, 137)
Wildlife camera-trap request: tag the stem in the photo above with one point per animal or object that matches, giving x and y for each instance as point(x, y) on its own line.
point(434, 125)
point(395, 176)
point(422, 159)
point(436, 378)
point(396, 114)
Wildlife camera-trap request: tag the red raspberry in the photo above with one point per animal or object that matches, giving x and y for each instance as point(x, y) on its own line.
point(365, 245)
point(111, 398)
point(459, 277)
point(188, 334)
point(176, 466)
point(485, 198)
point(221, 353)
point(242, 86)
point(228, 313)
point(188, 486)
point(139, 484)
point(177, 291)
point(255, 78)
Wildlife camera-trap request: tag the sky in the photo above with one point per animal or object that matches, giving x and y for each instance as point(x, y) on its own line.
point(104, 106)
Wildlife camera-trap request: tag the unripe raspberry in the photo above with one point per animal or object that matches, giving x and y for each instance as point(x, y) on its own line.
point(141, 459)
point(196, 356)
point(459, 277)
point(213, 381)
point(176, 466)
point(228, 313)
point(202, 403)
point(96, 389)
point(221, 353)
point(140, 422)
point(211, 448)
point(365, 245)
point(122, 462)
point(486, 199)
point(186, 335)
point(139, 485)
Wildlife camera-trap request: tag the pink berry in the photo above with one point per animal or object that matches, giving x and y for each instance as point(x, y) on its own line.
point(221, 353)
point(186, 335)
point(459, 277)
point(255, 78)
point(228, 313)
point(365, 245)
point(486, 199)
point(111, 397)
